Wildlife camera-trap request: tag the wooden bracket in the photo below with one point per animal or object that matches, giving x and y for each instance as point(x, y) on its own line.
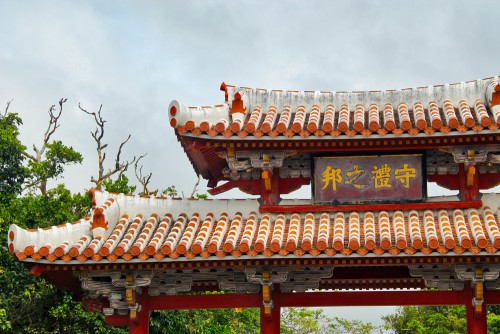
point(471, 172)
point(130, 297)
point(230, 153)
point(266, 293)
point(266, 176)
point(478, 286)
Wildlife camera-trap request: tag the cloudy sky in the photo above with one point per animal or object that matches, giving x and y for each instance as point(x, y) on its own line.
point(134, 57)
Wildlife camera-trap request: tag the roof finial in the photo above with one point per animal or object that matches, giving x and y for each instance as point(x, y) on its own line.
point(223, 88)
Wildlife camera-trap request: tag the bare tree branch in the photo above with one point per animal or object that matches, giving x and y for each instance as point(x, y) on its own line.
point(7, 108)
point(51, 128)
point(195, 187)
point(143, 179)
point(98, 135)
point(54, 115)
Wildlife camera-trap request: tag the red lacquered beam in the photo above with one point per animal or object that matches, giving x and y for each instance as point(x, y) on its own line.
point(188, 302)
point(373, 207)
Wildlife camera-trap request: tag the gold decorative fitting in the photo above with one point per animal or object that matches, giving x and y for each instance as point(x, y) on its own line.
point(266, 175)
point(478, 285)
point(471, 171)
point(130, 296)
point(266, 159)
point(230, 154)
point(470, 155)
point(266, 293)
point(133, 315)
point(130, 280)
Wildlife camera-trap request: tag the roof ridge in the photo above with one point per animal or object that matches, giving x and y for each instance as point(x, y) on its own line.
point(235, 87)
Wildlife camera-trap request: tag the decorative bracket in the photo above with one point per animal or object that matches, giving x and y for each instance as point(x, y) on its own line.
point(121, 289)
point(245, 161)
point(478, 286)
point(443, 277)
point(131, 297)
point(266, 293)
point(437, 277)
point(266, 278)
point(471, 155)
point(170, 283)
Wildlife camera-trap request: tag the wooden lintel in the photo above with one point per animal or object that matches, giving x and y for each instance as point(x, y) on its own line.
point(372, 207)
point(318, 299)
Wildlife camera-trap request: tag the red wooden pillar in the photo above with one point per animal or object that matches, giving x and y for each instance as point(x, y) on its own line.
point(270, 190)
point(476, 321)
point(270, 324)
point(469, 182)
point(140, 323)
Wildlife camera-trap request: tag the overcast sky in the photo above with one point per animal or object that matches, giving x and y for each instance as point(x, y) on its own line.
point(134, 57)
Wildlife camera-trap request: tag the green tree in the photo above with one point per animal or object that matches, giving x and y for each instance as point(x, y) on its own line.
point(51, 157)
point(12, 172)
point(344, 326)
point(297, 320)
point(433, 319)
point(213, 321)
point(427, 320)
point(120, 185)
point(28, 304)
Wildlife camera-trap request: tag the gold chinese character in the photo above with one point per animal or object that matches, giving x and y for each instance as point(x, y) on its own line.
point(353, 175)
point(382, 176)
point(405, 174)
point(332, 175)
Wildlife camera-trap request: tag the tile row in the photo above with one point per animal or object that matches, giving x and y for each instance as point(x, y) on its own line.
point(374, 119)
point(264, 234)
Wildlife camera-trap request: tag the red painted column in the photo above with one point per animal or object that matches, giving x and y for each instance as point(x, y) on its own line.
point(476, 321)
point(270, 196)
point(140, 325)
point(270, 324)
point(468, 192)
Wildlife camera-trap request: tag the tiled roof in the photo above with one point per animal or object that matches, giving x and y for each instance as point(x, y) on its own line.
point(123, 228)
point(259, 113)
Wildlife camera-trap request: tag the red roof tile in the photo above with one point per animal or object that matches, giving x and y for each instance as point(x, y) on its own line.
point(448, 109)
point(166, 230)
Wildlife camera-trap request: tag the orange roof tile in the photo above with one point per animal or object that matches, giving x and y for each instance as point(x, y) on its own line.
point(170, 230)
point(446, 109)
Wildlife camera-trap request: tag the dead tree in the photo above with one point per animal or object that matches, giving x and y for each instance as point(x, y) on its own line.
point(6, 109)
point(143, 179)
point(120, 167)
point(39, 180)
point(193, 193)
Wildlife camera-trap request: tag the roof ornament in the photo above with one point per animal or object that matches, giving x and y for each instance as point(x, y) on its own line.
point(238, 111)
point(223, 88)
point(493, 98)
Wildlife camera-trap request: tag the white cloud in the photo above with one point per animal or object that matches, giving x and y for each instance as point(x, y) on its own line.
point(134, 58)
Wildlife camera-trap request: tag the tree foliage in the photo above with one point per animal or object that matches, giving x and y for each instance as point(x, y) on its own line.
point(437, 319)
point(49, 159)
point(427, 320)
point(214, 321)
point(297, 320)
point(120, 185)
point(12, 171)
